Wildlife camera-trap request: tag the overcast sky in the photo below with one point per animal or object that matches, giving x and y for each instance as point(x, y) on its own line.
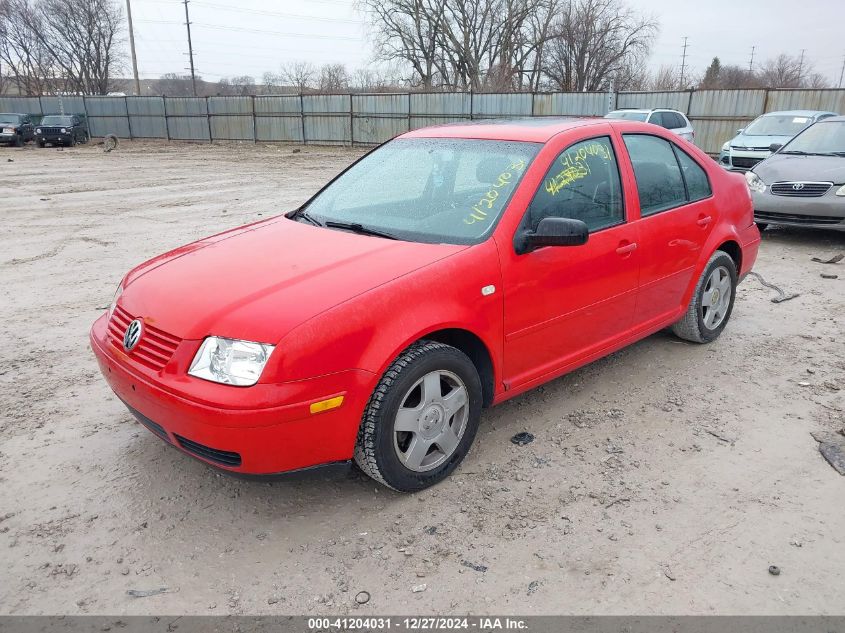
point(249, 37)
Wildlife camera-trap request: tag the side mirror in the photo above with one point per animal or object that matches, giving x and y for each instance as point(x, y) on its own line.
point(740, 130)
point(775, 147)
point(553, 232)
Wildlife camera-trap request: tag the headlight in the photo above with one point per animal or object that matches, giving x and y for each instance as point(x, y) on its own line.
point(726, 146)
point(64, 130)
point(38, 131)
point(230, 361)
point(841, 191)
point(754, 182)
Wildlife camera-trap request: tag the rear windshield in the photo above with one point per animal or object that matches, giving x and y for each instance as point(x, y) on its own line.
point(628, 115)
point(10, 118)
point(54, 119)
point(778, 125)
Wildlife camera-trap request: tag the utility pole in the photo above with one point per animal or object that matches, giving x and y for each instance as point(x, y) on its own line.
point(751, 63)
point(801, 65)
point(132, 48)
point(684, 62)
point(190, 49)
point(842, 72)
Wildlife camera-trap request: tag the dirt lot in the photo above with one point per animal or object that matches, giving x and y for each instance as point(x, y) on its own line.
point(666, 478)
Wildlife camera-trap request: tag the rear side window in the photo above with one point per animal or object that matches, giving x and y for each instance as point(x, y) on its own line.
point(698, 187)
point(666, 176)
point(676, 120)
point(657, 119)
point(582, 184)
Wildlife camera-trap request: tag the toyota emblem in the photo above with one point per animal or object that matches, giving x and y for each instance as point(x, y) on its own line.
point(798, 186)
point(132, 334)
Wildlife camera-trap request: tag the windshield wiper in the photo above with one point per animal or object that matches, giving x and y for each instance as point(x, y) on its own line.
point(796, 152)
point(302, 213)
point(359, 228)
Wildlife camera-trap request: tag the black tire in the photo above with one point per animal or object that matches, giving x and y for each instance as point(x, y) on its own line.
point(41, 143)
point(692, 326)
point(761, 226)
point(375, 448)
point(72, 141)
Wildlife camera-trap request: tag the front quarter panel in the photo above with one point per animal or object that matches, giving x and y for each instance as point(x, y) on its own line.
point(369, 331)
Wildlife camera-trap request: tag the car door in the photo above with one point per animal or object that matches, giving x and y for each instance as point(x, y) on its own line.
point(562, 304)
point(676, 216)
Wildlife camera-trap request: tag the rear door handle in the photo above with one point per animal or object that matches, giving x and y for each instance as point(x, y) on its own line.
point(704, 220)
point(626, 249)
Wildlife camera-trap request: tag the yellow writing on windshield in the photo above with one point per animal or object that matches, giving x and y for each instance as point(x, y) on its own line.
point(504, 179)
point(575, 165)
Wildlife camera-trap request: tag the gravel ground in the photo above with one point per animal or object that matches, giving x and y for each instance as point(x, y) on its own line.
point(666, 478)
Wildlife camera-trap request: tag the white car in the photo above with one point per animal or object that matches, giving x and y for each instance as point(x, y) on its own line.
point(672, 120)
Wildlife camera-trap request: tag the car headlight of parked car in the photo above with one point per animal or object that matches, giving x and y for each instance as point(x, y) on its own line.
point(841, 191)
point(64, 130)
point(726, 147)
point(754, 182)
point(230, 361)
point(38, 131)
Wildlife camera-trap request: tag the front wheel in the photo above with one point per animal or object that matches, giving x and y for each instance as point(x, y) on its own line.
point(421, 419)
point(711, 303)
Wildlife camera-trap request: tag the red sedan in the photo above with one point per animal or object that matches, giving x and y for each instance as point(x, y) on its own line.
point(447, 271)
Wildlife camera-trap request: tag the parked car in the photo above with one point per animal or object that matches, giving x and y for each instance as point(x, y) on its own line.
point(15, 129)
point(62, 129)
point(803, 182)
point(672, 120)
point(451, 269)
point(753, 143)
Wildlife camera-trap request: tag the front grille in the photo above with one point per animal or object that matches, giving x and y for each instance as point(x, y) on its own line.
point(801, 189)
point(51, 130)
point(154, 349)
point(744, 162)
point(766, 216)
point(225, 458)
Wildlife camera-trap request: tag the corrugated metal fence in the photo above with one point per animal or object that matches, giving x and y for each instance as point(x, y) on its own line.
point(365, 119)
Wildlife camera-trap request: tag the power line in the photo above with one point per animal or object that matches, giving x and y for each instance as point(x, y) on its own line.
point(221, 27)
point(288, 16)
point(684, 62)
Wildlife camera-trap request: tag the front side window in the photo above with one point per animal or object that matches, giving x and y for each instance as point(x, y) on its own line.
point(582, 184)
point(428, 189)
point(659, 181)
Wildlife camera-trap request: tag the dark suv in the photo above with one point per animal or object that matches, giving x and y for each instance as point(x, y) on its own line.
point(62, 129)
point(16, 129)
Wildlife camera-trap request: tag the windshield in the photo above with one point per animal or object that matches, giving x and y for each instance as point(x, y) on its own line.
point(10, 118)
point(54, 119)
point(778, 125)
point(627, 114)
point(825, 137)
point(427, 189)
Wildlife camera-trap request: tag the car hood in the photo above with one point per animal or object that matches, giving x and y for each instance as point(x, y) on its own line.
point(259, 282)
point(757, 142)
point(783, 167)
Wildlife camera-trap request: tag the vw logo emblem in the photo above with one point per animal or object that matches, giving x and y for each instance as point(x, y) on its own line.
point(798, 186)
point(132, 334)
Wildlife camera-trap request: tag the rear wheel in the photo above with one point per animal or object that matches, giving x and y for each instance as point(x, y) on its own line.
point(421, 419)
point(761, 226)
point(18, 142)
point(712, 302)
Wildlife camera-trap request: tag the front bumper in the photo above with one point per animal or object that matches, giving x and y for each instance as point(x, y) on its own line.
point(281, 436)
point(7, 138)
point(742, 160)
point(824, 212)
point(53, 138)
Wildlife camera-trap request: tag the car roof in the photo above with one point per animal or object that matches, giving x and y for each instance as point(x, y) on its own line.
point(535, 129)
point(806, 113)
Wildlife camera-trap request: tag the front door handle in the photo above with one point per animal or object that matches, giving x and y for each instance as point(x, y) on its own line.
point(703, 220)
point(626, 249)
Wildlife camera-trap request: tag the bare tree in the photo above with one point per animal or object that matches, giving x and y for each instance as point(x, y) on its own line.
point(782, 71)
point(666, 78)
point(25, 57)
point(593, 40)
point(174, 85)
point(333, 78)
point(301, 75)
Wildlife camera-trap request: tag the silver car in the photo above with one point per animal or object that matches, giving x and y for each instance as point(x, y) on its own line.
point(672, 120)
point(803, 183)
point(753, 143)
